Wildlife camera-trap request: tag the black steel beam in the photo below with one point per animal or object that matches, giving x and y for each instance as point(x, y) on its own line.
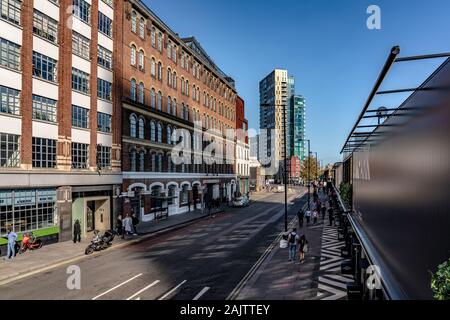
point(422, 57)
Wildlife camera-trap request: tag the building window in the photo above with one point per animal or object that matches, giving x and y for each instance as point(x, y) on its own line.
point(141, 128)
point(9, 100)
point(182, 85)
point(109, 2)
point(104, 89)
point(171, 193)
point(103, 157)
point(80, 152)
point(27, 210)
point(159, 132)
point(169, 49)
point(10, 10)
point(186, 91)
point(141, 161)
point(82, 10)
point(9, 54)
point(81, 45)
point(133, 124)
point(169, 77)
point(153, 67)
point(44, 153)
point(9, 150)
point(80, 80)
point(133, 21)
point(45, 27)
point(142, 28)
point(44, 108)
point(174, 80)
point(160, 42)
point(174, 54)
point(133, 160)
point(104, 58)
point(169, 104)
point(169, 134)
point(184, 193)
point(80, 117)
point(153, 37)
point(152, 131)
point(133, 55)
point(44, 67)
point(152, 98)
point(133, 89)
point(141, 93)
point(159, 100)
point(103, 122)
point(141, 60)
point(174, 107)
point(105, 24)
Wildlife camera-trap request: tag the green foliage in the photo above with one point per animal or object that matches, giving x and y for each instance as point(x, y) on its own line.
point(440, 282)
point(345, 189)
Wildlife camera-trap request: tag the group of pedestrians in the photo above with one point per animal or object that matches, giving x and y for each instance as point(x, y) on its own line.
point(127, 226)
point(296, 244)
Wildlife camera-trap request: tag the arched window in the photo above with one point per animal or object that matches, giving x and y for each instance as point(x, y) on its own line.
point(152, 98)
point(183, 111)
point(133, 122)
point(153, 167)
point(141, 161)
point(152, 131)
point(153, 37)
point(159, 132)
point(160, 41)
point(142, 28)
point(133, 55)
point(133, 21)
point(133, 89)
point(174, 107)
point(182, 84)
point(174, 80)
point(174, 53)
point(133, 160)
point(159, 100)
point(159, 161)
point(141, 60)
point(141, 93)
point(184, 193)
point(153, 67)
point(159, 71)
point(169, 104)
point(169, 77)
point(187, 88)
point(141, 128)
point(171, 193)
point(169, 134)
point(198, 94)
point(169, 49)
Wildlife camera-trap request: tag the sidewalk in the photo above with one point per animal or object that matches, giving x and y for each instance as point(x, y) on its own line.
point(53, 255)
point(317, 278)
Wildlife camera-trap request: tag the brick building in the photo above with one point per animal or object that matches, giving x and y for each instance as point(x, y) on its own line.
point(60, 134)
point(168, 84)
point(242, 148)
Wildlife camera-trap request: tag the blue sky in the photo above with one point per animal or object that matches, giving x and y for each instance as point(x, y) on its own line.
point(325, 44)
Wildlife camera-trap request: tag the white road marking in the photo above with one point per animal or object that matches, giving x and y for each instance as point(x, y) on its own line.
point(201, 293)
point(119, 285)
point(173, 290)
point(142, 290)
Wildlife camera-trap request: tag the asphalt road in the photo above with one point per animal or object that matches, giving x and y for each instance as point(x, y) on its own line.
point(205, 260)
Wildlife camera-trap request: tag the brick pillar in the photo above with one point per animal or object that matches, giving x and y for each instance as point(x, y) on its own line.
point(64, 154)
point(147, 203)
point(117, 85)
point(93, 85)
point(126, 208)
point(26, 56)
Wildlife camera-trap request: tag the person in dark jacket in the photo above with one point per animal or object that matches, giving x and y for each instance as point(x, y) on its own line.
point(119, 225)
point(303, 243)
point(301, 216)
point(135, 221)
point(77, 231)
point(331, 216)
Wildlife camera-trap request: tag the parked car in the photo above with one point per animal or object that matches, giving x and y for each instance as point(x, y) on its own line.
point(241, 202)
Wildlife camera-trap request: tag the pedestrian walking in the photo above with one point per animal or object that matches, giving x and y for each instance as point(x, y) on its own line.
point(12, 238)
point(127, 226)
point(330, 216)
point(300, 216)
point(308, 217)
point(323, 211)
point(77, 231)
point(293, 240)
point(135, 222)
point(119, 225)
point(315, 216)
point(303, 244)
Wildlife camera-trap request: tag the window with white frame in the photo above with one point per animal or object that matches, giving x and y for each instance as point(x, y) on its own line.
point(44, 108)
point(142, 28)
point(153, 37)
point(141, 92)
point(159, 71)
point(9, 54)
point(133, 55)
point(43, 153)
point(81, 45)
point(159, 132)
point(141, 60)
point(153, 67)
point(133, 89)
point(160, 38)
point(82, 10)
point(45, 27)
point(104, 58)
point(133, 126)
point(141, 128)
point(159, 100)
point(9, 100)
point(133, 21)
point(44, 67)
point(80, 155)
point(105, 24)
point(80, 80)
point(11, 10)
point(9, 150)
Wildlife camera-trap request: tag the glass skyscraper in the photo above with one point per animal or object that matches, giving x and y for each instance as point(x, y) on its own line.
point(297, 126)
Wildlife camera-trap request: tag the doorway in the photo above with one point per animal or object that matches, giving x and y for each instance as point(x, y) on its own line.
point(97, 214)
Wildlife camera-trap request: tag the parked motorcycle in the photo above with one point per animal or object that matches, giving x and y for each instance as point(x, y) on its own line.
point(29, 242)
point(99, 243)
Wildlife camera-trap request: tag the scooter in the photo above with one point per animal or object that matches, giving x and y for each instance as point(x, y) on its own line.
point(99, 243)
